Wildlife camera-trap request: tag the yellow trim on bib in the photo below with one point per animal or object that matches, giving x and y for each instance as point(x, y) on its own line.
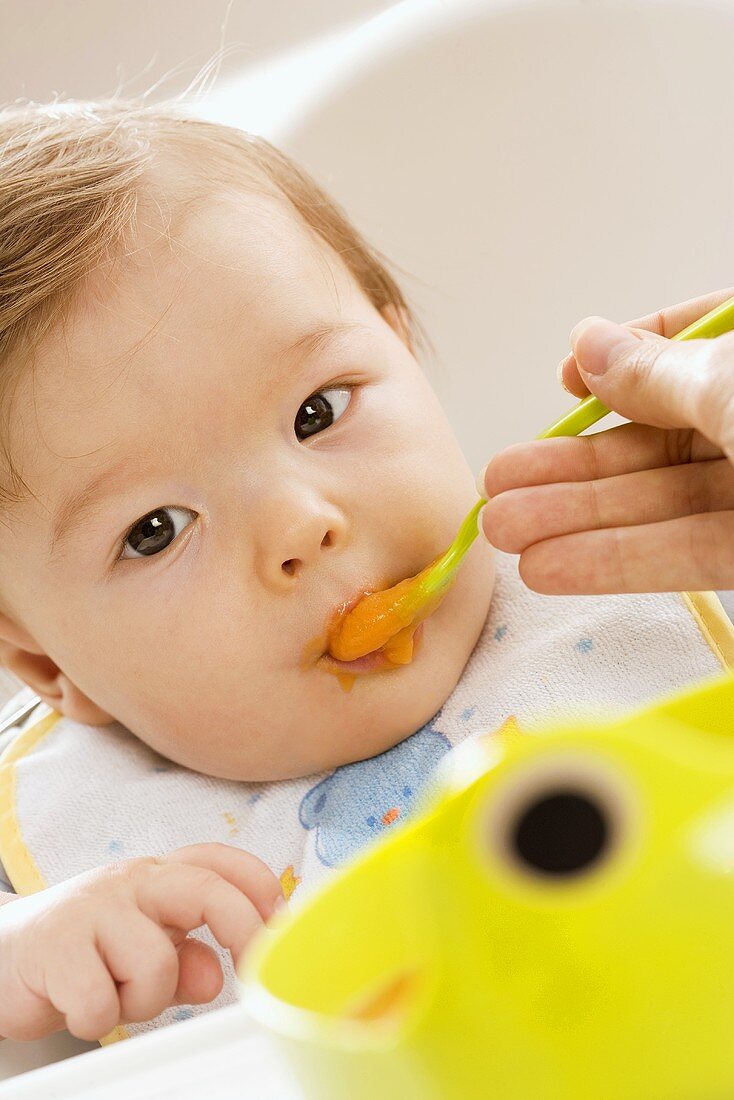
point(114, 1036)
point(18, 862)
point(714, 624)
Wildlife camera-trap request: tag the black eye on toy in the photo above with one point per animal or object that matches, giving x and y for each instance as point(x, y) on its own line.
point(562, 831)
point(560, 819)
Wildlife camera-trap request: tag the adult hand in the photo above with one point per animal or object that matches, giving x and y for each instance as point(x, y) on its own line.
point(645, 507)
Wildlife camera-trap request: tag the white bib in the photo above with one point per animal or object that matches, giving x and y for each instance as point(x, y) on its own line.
point(73, 797)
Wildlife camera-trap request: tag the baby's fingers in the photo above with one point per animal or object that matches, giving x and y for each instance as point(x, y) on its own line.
point(143, 962)
point(148, 973)
point(243, 869)
point(79, 986)
point(186, 897)
point(200, 977)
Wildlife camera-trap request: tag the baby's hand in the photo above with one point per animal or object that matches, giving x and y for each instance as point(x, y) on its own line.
point(110, 946)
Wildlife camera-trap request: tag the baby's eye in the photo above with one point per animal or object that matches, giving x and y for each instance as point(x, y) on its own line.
point(320, 410)
point(154, 532)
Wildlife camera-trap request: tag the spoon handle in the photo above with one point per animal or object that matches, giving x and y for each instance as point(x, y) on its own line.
point(444, 569)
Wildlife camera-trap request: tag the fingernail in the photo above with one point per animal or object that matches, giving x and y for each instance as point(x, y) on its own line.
point(480, 481)
point(576, 331)
point(559, 372)
point(279, 909)
point(597, 342)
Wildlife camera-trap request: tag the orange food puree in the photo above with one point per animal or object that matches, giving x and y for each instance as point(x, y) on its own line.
point(385, 620)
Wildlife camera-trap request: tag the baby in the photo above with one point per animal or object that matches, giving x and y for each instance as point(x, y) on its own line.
point(216, 434)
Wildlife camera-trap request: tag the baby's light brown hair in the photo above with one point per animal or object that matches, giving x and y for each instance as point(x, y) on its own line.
point(72, 175)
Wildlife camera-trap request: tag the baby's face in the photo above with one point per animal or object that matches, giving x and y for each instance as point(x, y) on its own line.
point(281, 474)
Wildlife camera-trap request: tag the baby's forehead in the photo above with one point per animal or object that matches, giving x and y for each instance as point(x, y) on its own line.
point(224, 222)
point(206, 270)
point(209, 288)
point(218, 240)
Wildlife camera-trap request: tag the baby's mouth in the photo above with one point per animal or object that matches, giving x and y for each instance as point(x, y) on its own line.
point(385, 621)
point(388, 619)
point(379, 629)
point(378, 659)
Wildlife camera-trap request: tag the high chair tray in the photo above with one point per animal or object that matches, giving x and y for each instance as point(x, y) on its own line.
point(220, 1055)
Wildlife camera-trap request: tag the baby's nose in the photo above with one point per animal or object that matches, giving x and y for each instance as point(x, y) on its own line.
point(292, 566)
point(297, 538)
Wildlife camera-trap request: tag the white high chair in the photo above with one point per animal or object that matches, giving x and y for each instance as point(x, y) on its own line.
point(526, 162)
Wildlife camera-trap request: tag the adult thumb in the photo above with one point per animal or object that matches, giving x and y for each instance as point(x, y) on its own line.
point(666, 383)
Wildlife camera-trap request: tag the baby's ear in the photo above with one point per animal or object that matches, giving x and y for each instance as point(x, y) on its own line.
point(397, 319)
point(22, 655)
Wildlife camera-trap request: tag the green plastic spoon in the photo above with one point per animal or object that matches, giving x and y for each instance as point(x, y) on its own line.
point(379, 616)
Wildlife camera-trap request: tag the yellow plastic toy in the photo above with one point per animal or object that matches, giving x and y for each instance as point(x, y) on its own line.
point(557, 924)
